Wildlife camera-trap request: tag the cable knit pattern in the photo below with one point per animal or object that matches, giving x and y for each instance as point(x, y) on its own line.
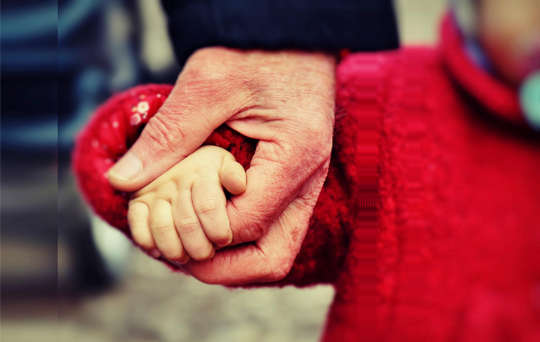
point(428, 223)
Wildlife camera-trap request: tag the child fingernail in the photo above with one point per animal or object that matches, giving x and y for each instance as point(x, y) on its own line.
point(181, 262)
point(155, 253)
point(176, 263)
point(226, 243)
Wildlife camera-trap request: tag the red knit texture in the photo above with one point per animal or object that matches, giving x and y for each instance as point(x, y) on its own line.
point(428, 225)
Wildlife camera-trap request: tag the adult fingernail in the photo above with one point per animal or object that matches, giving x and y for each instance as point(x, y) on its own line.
point(127, 168)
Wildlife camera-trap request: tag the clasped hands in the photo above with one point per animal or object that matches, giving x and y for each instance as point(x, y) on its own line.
point(284, 100)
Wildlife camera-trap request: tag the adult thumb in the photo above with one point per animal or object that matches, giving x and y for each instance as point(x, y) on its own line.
point(169, 136)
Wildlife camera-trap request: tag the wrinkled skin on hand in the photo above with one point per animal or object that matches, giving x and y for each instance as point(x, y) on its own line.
point(285, 100)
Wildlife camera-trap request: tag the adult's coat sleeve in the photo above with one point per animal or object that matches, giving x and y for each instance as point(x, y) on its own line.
point(367, 25)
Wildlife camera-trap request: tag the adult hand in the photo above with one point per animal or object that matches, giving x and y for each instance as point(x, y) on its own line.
point(285, 100)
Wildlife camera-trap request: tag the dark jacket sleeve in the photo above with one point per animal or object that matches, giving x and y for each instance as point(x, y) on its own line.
point(358, 25)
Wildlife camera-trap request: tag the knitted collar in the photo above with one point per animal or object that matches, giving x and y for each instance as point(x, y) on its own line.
point(499, 98)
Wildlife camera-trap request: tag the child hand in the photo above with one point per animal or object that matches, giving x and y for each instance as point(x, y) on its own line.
point(182, 213)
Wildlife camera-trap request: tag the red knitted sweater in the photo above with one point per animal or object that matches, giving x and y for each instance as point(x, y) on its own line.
point(428, 225)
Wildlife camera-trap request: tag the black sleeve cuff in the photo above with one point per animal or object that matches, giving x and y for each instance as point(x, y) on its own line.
point(328, 25)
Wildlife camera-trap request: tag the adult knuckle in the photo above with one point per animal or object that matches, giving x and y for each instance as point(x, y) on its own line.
point(317, 138)
point(315, 153)
point(210, 80)
point(202, 67)
point(203, 55)
point(207, 57)
point(258, 229)
point(255, 223)
point(209, 76)
point(164, 131)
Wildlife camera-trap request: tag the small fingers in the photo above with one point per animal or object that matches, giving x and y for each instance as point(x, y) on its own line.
point(138, 224)
point(163, 231)
point(268, 260)
point(233, 176)
point(209, 205)
point(189, 228)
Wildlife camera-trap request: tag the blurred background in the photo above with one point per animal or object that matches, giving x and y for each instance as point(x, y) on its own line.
point(65, 274)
